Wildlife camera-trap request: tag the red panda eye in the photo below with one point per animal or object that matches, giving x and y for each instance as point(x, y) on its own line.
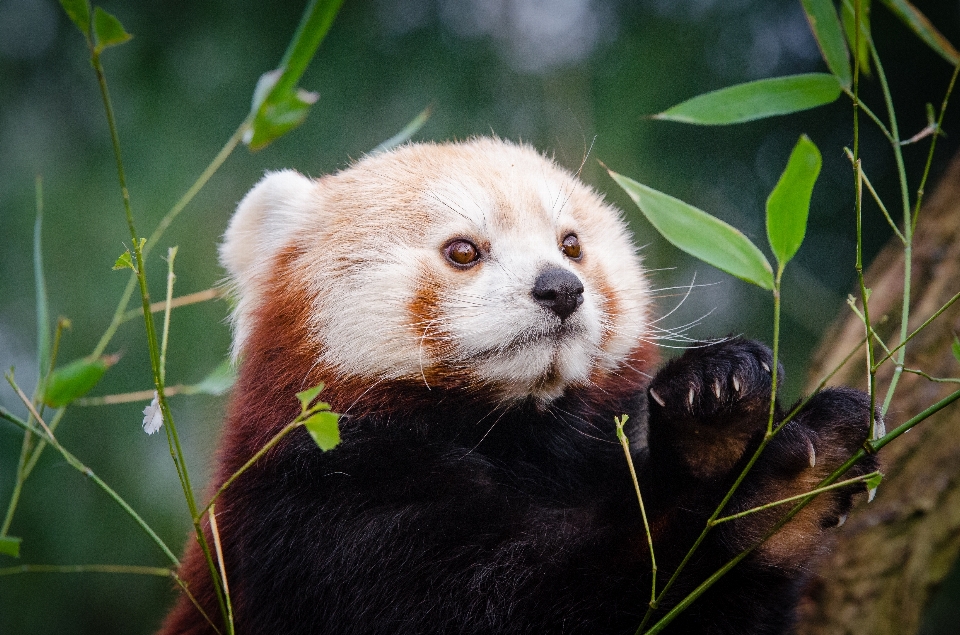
point(571, 247)
point(462, 253)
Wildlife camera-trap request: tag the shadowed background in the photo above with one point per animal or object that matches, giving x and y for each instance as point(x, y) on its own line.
point(560, 75)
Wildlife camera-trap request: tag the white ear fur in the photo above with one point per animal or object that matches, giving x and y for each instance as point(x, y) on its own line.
point(267, 218)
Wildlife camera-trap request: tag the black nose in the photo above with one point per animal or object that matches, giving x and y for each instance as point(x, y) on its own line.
point(558, 290)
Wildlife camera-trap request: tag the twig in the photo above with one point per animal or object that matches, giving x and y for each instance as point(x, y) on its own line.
point(790, 499)
point(625, 443)
point(223, 568)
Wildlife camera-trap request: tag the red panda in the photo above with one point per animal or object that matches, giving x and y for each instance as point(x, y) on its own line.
point(479, 316)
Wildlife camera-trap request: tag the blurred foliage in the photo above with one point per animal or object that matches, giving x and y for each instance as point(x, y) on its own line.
point(554, 74)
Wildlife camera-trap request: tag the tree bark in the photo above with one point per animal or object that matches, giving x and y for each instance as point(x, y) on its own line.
point(893, 553)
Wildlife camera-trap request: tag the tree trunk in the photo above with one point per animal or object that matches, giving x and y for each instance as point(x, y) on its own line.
point(893, 553)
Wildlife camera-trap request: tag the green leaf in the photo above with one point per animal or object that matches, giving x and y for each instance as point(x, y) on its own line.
point(874, 481)
point(404, 135)
point(920, 25)
point(316, 21)
point(10, 546)
point(307, 396)
point(125, 261)
point(788, 205)
point(219, 381)
point(848, 17)
point(756, 100)
point(956, 347)
point(278, 116)
point(700, 234)
point(323, 427)
point(278, 106)
point(107, 30)
point(40, 289)
point(75, 380)
point(79, 13)
point(826, 29)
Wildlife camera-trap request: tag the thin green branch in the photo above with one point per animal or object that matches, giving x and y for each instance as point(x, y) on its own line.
point(864, 292)
point(184, 300)
point(40, 289)
point(227, 149)
point(25, 445)
point(193, 600)
point(852, 303)
point(223, 568)
point(873, 117)
point(939, 380)
point(87, 568)
point(873, 193)
point(813, 492)
point(907, 227)
point(776, 350)
point(916, 331)
point(933, 144)
point(127, 397)
point(287, 429)
point(42, 444)
point(173, 438)
point(171, 277)
point(625, 443)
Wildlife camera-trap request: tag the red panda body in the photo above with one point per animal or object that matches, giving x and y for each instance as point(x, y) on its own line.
point(479, 317)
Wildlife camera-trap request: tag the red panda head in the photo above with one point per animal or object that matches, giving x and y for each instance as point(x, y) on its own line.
point(480, 266)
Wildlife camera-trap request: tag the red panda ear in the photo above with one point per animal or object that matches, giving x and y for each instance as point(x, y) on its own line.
point(265, 219)
point(269, 217)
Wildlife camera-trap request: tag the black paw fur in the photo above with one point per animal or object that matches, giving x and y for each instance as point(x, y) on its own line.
point(709, 407)
point(718, 384)
point(826, 432)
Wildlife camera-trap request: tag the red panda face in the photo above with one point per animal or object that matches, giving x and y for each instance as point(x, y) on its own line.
point(476, 266)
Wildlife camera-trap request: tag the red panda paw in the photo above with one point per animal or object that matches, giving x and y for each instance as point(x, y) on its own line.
point(710, 406)
point(823, 435)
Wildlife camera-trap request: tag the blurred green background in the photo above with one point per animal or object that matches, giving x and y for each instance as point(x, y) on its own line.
point(556, 74)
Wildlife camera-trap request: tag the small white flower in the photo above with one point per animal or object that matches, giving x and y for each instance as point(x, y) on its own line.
point(152, 417)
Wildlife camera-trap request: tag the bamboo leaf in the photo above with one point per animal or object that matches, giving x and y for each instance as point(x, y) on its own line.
point(323, 427)
point(10, 546)
point(75, 380)
point(307, 396)
point(107, 30)
point(278, 115)
point(219, 381)
point(278, 106)
point(79, 13)
point(827, 31)
point(40, 289)
point(848, 18)
point(788, 205)
point(756, 100)
point(700, 234)
point(921, 26)
point(956, 347)
point(125, 261)
point(404, 135)
point(874, 481)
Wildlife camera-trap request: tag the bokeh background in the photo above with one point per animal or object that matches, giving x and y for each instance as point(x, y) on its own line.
point(561, 74)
